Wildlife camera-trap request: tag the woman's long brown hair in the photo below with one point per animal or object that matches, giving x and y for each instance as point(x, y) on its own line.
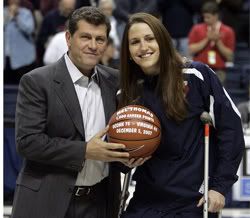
point(170, 82)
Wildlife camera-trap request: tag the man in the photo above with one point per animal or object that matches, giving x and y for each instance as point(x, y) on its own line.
point(212, 42)
point(61, 113)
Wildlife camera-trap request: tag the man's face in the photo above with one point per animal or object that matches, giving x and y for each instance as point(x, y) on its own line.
point(87, 45)
point(210, 19)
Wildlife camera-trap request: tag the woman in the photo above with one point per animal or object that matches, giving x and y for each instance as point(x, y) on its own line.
point(177, 91)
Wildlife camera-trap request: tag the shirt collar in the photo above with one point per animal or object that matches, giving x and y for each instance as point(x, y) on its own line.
point(76, 75)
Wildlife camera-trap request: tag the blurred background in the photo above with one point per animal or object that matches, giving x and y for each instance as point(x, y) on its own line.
point(39, 39)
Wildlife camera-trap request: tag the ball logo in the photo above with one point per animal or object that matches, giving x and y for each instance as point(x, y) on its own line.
point(125, 127)
point(137, 127)
point(135, 109)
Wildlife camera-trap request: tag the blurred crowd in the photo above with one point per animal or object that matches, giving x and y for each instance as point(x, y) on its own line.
point(34, 30)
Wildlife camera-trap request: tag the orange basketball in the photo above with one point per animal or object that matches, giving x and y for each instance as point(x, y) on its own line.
point(137, 128)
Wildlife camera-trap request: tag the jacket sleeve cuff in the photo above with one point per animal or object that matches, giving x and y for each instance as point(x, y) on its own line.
point(222, 185)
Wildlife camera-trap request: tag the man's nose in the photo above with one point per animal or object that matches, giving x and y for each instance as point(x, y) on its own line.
point(93, 44)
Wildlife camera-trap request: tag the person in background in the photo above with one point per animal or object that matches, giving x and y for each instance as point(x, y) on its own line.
point(178, 91)
point(170, 11)
point(45, 6)
point(61, 113)
point(83, 3)
point(109, 54)
point(56, 48)
point(124, 9)
point(108, 6)
point(19, 46)
point(52, 23)
point(212, 42)
point(230, 13)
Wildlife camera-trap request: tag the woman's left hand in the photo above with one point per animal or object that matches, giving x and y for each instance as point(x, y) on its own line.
point(216, 201)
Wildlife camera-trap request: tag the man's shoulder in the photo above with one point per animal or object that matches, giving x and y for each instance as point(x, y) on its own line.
point(199, 26)
point(108, 71)
point(44, 72)
point(226, 28)
point(197, 31)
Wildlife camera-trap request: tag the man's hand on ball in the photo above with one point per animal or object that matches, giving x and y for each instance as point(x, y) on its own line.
point(133, 162)
point(97, 149)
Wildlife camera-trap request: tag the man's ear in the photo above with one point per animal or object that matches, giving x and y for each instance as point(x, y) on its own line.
point(68, 38)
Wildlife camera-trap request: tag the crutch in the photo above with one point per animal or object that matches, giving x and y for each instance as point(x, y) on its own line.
point(207, 120)
point(125, 193)
point(220, 214)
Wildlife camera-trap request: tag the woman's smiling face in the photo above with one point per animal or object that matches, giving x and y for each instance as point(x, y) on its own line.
point(143, 48)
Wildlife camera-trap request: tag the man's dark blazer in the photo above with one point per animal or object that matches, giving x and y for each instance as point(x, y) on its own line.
point(50, 135)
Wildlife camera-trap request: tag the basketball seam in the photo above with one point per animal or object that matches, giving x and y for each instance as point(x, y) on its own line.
point(145, 154)
point(133, 139)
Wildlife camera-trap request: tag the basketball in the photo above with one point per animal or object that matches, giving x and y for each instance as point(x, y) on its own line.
point(137, 128)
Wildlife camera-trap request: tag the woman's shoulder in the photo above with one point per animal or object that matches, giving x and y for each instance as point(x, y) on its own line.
point(195, 69)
